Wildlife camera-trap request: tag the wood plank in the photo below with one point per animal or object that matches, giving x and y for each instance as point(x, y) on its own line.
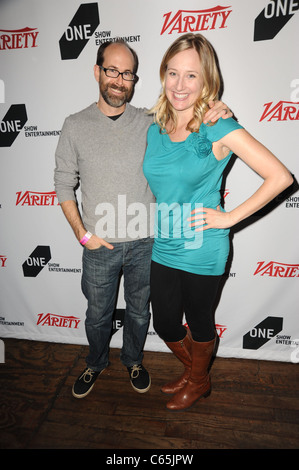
point(253, 405)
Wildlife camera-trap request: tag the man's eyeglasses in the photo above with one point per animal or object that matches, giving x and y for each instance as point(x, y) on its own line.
point(113, 73)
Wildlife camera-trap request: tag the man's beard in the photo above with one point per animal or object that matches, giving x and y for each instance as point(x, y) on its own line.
point(113, 100)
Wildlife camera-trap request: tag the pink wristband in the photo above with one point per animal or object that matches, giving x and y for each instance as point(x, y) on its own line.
point(86, 237)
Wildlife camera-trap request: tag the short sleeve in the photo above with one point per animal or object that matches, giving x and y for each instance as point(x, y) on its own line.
point(221, 128)
point(150, 133)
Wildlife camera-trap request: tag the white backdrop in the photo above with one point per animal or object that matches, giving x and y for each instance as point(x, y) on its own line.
point(47, 53)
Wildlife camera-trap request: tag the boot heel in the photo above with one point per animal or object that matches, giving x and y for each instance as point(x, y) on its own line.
point(207, 394)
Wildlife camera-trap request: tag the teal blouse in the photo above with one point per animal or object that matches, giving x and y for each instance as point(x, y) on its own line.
point(184, 176)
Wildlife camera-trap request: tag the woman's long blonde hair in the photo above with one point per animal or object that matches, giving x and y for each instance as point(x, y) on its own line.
point(163, 111)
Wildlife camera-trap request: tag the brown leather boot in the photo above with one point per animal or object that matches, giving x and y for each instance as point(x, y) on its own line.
point(182, 350)
point(198, 385)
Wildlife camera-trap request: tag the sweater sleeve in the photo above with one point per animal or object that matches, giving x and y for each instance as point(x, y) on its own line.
point(66, 173)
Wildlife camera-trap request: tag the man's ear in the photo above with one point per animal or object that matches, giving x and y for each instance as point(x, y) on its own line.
point(96, 71)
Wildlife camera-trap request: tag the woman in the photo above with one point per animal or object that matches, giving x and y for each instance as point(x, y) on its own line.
point(184, 163)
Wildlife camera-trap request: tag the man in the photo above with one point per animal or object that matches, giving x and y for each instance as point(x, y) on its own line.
point(103, 146)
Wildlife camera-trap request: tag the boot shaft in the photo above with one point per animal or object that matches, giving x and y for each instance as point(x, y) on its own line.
point(201, 357)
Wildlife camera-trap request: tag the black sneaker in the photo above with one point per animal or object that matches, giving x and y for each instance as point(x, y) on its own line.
point(85, 382)
point(139, 377)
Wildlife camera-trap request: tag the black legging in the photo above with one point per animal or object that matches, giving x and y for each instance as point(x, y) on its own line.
point(173, 292)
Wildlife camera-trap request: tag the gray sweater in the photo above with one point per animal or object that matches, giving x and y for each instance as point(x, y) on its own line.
point(106, 158)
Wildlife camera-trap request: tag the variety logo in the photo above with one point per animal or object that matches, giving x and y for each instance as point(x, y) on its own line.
point(273, 18)
point(281, 111)
point(274, 269)
point(31, 198)
point(18, 38)
point(79, 31)
point(224, 193)
point(3, 260)
point(220, 330)
point(191, 21)
point(12, 124)
point(262, 333)
point(60, 321)
point(36, 261)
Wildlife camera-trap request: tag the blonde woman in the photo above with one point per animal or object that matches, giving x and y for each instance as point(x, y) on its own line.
point(184, 164)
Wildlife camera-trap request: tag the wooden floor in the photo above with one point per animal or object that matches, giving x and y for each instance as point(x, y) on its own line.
point(253, 405)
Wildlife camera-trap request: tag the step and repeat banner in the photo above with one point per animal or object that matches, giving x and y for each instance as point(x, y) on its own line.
point(47, 53)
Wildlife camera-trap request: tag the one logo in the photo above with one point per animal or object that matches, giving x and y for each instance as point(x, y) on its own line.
point(12, 124)
point(32, 131)
point(18, 38)
point(31, 198)
point(79, 31)
point(281, 111)
point(60, 321)
point(274, 269)
point(118, 319)
point(262, 333)
point(36, 261)
point(190, 21)
point(292, 202)
point(273, 18)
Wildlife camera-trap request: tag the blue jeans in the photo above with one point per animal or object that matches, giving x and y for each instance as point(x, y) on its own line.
point(100, 281)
